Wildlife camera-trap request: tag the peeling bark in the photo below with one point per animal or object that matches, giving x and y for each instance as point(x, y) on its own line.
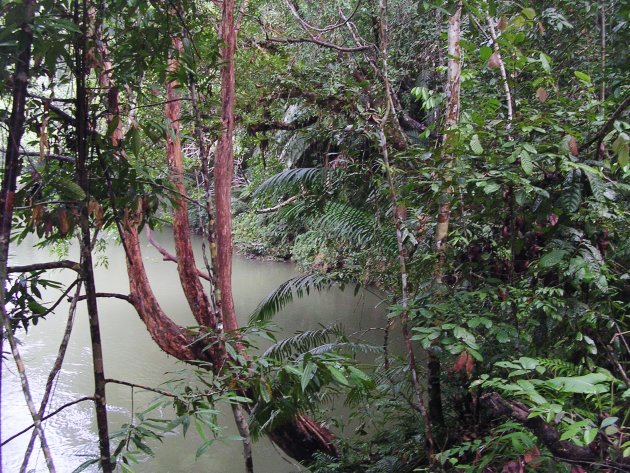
point(170, 337)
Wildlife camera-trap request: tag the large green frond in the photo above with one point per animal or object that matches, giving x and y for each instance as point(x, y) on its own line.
point(284, 294)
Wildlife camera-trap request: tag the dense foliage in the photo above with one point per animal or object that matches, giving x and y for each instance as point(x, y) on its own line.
point(515, 319)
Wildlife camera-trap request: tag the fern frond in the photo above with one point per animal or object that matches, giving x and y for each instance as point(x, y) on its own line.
point(284, 294)
point(559, 367)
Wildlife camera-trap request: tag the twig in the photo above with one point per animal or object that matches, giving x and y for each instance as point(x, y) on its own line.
point(506, 85)
point(284, 203)
point(58, 157)
point(111, 295)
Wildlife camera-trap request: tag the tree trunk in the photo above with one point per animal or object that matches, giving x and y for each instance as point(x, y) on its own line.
point(12, 167)
point(87, 268)
point(453, 86)
point(224, 168)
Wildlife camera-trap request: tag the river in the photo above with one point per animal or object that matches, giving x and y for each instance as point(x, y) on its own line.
point(131, 355)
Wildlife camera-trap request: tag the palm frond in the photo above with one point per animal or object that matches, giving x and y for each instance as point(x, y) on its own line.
point(291, 181)
point(348, 223)
point(302, 343)
point(284, 294)
point(346, 346)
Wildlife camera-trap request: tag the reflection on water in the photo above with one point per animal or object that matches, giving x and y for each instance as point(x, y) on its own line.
point(131, 355)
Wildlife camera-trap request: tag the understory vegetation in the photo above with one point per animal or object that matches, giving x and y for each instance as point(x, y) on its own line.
point(469, 159)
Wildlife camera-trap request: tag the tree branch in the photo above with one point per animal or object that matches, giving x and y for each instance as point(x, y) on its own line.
point(63, 264)
point(604, 129)
point(280, 205)
point(111, 295)
point(55, 412)
point(320, 43)
point(58, 157)
point(547, 434)
point(167, 256)
point(277, 125)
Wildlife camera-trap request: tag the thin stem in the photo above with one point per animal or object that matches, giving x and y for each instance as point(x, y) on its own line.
point(55, 370)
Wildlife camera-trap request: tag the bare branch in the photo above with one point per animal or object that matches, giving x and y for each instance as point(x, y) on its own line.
point(58, 157)
point(56, 367)
point(139, 386)
point(277, 125)
point(320, 43)
point(63, 264)
point(307, 26)
point(111, 295)
point(169, 256)
point(280, 205)
point(53, 413)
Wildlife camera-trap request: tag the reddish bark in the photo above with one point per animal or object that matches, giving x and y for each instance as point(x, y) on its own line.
point(224, 168)
point(303, 438)
point(169, 336)
point(186, 266)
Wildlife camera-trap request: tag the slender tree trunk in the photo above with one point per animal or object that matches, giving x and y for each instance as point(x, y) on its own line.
point(12, 167)
point(402, 258)
point(54, 372)
point(224, 167)
point(453, 86)
point(87, 268)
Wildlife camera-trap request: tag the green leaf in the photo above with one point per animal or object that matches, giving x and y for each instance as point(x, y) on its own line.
point(475, 145)
point(83, 466)
point(545, 61)
point(592, 383)
point(589, 435)
point(529, 13)
point(552, 258)
point(485, 52)
point(571, 196)
point(621, 149)
point(337, 374)
point(598, 187)
point(583, 77)
point(526, 163)
point(307, 374)
point(608, 421)
point(203, 447)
